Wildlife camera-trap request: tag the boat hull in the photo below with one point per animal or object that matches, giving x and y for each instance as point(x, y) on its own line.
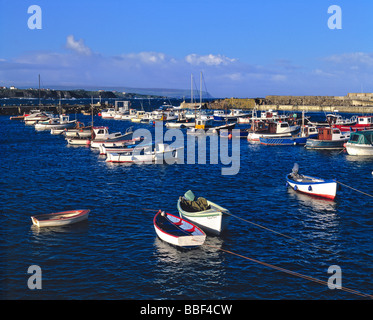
point(78, 141)
point(213, 221)
point(325, 144)
point(172, 125)
point(177, 231)
point(62, 126)
point(167, 155)
point(359, 149)
point(314, 186)
point(283, 141)
point(59, 219)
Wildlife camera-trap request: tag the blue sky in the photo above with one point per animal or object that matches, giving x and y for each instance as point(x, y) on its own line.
point(244, 48)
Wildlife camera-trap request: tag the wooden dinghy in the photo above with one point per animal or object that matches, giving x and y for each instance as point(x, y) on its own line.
point(62, 218)
point(206, 214)
point(312, 185)
point(177, 231)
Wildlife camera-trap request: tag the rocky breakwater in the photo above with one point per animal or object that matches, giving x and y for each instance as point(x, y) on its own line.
point(233, 103)
point(349, 103)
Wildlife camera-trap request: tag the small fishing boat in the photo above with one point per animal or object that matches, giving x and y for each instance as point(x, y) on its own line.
point(328, 138)
point(311, 185)
point(234, 114)
point(307, 132)
point(360, 143)
point(130, 115)
point(206, 214)
point(151, 153)
point(101, 135)
point(362, 123)
point(139, 115)
point(79, 141)
point(61, 123)
point(206, 127)
point(181, 122)
point(80, 131)
point(60, 218)
point(336, 120)
point(123, 149)
point(271, 130)
point(34, 118)
point(177, 231)
point(22, 117)
point(108, 113)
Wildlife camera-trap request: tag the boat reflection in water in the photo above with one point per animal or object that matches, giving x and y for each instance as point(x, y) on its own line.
point(43, 233)
point(314, 203)
point(177, 270)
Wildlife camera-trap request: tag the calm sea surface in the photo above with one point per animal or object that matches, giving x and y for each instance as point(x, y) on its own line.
point(116, 253)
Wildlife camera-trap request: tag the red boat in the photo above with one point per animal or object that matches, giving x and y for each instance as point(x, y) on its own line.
point(363, 123)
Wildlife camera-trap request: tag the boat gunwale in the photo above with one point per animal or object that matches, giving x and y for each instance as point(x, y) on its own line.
point(54, 215)
point(219, 211)
point(322, 181)
point(175, 236)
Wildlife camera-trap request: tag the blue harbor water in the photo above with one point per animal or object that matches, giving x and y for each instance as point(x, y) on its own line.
point(117, 255)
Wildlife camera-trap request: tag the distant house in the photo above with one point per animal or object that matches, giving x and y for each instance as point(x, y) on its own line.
point(12, 88)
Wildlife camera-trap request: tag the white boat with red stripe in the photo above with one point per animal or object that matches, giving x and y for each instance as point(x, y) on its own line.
point(325, 188)
point(177, 231)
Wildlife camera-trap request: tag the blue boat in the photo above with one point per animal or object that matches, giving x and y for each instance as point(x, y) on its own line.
point(220, 115)
point(294, 140)
point(329, 139)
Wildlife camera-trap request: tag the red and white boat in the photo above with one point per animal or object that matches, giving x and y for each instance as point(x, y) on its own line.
point(59, 219)
point(362, 123)
point(311, 185)
point(177, 231)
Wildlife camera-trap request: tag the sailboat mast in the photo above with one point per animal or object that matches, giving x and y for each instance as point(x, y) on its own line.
point(39, 91)
point(200, 93)
point(191, 88)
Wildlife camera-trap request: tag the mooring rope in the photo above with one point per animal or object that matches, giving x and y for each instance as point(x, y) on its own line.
point(345, 185)
point(286, 236)
point(289, 237)
point(293, 273)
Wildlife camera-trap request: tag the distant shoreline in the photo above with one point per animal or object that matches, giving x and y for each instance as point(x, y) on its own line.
point(15, 93)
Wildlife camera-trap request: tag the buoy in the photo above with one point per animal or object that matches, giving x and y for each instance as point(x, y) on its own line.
point(309, 188)
point(230, 136)
point(295, 188)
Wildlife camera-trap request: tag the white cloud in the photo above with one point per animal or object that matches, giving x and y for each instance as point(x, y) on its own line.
point(146, 57)
point(279, 77)
point(210, 59)
point(77, 46)
point(362, 58)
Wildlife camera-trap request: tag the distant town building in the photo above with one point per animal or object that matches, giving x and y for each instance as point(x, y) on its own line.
point(360, 95)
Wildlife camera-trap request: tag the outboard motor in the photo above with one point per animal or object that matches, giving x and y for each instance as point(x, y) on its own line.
point(295, 169)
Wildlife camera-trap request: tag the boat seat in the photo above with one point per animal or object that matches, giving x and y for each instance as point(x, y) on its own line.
point(191, 229)
point(167, 226)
